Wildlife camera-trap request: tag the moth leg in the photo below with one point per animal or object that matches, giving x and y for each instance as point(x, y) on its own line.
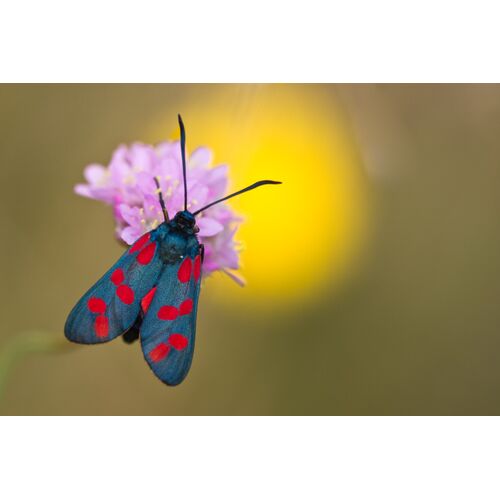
point(132, 334)
point(202, 252)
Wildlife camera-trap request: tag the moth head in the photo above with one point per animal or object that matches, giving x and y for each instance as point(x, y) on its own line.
point(186, 222)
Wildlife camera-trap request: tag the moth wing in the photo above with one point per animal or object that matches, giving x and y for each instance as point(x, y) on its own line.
point(169, 326)
point(112, 305)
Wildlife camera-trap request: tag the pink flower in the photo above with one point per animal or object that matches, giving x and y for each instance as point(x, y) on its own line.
point(127, 184)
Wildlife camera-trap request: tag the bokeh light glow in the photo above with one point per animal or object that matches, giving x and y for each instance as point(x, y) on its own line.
point(307, 232)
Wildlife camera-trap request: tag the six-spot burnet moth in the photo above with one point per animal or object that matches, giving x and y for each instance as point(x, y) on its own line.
point(152, 292)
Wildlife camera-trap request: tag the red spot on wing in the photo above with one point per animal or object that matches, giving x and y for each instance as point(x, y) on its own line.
point(117, 277)
point(184, 271)
point(186, 307)
point(101, 326)
point(96, 305)
point(126, 294)
point(146, 254)
point(197, 267)
point(178, 341)
point(159, 352)
point(146, 300)
point(140, 243)
point(168, 312)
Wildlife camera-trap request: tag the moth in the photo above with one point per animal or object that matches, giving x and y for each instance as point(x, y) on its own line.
point(151, 293)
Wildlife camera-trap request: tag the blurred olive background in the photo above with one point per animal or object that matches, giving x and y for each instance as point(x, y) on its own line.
point(373, 272)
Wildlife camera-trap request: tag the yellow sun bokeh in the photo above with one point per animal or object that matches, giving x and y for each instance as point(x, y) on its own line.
point(305, 234)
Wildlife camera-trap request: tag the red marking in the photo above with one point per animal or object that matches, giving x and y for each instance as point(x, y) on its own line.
point(117, 277)
point(126, 294)
point(184, 272)
point(178, 341)
point(96, 305)
point(159, 352)
point(146, 300)
point(140, 243)
point(186, 307)
point(146, 254)
point(197, 268)
point(101, 326)
point(168, 312)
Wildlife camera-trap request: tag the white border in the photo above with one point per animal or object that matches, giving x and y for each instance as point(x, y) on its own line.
point(249, 458)
point(258, 41)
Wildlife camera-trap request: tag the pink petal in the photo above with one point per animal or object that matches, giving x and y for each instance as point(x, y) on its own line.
point(94, 173)
point(119, 167)
point(83, 190)
point(228, 258)
point(209, 227)
point(200, 157)
point(130, 234)
point(104, 194)
point(209, 265)
point(197, 196)
point(217, 181)
point(152, 208)
point(236, 277)
point(131, 215)
point(141, 156)
point(120, 154)
point(145, 183)
point(167, 148)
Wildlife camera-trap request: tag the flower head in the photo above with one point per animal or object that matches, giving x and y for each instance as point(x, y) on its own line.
point(127, 184)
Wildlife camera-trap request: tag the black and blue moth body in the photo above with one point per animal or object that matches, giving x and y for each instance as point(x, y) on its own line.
point(151, 291)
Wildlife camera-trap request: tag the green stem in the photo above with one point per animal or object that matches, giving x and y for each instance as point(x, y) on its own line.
point(24, 344)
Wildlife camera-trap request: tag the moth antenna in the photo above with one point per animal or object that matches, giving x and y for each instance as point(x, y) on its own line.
point(183, 153)
point(248, 188)
point(162, 202)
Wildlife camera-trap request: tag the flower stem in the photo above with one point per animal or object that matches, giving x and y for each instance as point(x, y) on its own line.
point(22, 345)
